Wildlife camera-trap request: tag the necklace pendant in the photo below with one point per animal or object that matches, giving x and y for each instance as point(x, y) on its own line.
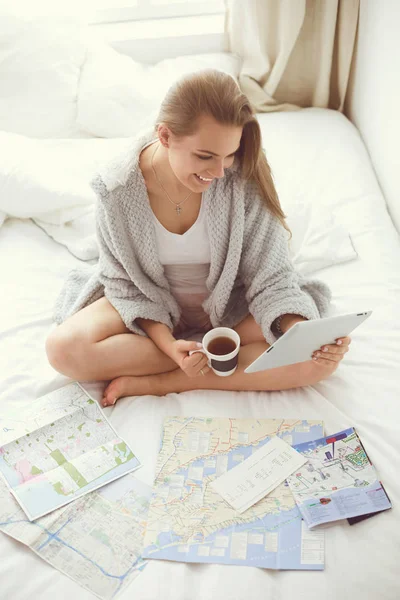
point(178, 210)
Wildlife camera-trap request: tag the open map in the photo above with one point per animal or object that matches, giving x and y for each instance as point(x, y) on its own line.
point(59, 449)
point(97, 540)
point(190, 522)
point(338, 481)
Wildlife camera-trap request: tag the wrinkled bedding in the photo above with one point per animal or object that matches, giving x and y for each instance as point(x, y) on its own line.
point(325, 166)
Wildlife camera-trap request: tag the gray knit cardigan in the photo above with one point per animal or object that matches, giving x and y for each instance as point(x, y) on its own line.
point(250, 270)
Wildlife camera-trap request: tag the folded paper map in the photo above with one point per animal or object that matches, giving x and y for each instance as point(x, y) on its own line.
point(60, 448)
point(190, 522)
point(96, 540)
point(338, 481)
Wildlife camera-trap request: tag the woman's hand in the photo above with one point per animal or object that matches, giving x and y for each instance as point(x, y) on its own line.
point(194, 365)
point(330, 355)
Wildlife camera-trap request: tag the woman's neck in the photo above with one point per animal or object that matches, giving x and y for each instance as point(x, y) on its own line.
point(159, 161)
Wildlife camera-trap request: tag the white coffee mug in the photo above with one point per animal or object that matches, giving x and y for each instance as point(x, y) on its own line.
point(222, 364)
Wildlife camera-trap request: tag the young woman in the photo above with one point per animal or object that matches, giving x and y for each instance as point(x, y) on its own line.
point(191, 236)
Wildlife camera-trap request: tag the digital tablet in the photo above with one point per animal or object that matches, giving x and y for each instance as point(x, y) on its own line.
point(300, 341)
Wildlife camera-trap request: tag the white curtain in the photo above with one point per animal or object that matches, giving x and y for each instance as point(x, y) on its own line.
point(295, 53)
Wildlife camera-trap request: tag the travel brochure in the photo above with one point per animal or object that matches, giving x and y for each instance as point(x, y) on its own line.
point(338, 481)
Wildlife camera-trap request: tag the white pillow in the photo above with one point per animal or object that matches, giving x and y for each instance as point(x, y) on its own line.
point(49, 179)
point(119, 96)
point(40, 64)
point(115, 98)
point(308, 174)
point(318, 239)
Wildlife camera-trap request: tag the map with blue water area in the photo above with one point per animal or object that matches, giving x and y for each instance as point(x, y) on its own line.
point(189, 522)
point(61, 447)
point(96, 540)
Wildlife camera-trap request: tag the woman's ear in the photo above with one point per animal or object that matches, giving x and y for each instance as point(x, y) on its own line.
point(164, 135)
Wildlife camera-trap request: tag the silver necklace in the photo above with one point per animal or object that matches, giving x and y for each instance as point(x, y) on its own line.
point(177, 205)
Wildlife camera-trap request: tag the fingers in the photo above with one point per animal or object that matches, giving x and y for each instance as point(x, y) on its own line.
point(332, 352)
point(345, 341)
point(185, 346)
point(204, 370)
point(193, 365)
point(326, 359)
point(196, 359)
point(201, 366)
point(199, 363)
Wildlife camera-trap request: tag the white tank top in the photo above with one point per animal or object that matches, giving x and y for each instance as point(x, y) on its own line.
point(190, 248)
point(186, 261)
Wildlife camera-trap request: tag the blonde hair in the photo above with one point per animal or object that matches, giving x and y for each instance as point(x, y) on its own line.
point(216, 94)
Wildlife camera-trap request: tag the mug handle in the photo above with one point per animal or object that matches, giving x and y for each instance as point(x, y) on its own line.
point(202, 352)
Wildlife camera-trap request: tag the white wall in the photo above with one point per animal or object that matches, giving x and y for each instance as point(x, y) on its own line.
point(373, 103)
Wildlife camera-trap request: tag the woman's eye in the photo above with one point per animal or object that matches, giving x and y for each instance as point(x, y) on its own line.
point(208, 157)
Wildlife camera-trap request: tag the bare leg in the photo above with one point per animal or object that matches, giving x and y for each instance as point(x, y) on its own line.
point(94, 344)
point(281, 378)
point(126, 354)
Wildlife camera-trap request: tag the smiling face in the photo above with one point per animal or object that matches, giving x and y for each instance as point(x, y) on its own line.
point(198, 159)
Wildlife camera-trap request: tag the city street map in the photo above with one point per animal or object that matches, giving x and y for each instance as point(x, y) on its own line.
point(97, 540)
point(189, 522)
point(58, 449)
point(338, 481)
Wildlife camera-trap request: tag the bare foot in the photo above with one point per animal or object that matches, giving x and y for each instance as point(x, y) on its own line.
point(125, 386)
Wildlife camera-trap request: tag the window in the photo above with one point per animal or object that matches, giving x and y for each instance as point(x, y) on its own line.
point(107, 11)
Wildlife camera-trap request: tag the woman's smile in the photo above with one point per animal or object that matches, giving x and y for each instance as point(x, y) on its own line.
point(203, 180)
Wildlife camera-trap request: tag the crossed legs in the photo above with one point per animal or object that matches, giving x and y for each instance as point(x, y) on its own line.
point(94, 344)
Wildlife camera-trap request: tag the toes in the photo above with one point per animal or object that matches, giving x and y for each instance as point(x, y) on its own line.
point(118, 388)
point(110, 397)
point(108, 401)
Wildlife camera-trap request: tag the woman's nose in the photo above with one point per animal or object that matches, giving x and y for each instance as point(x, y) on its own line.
point(218, 171)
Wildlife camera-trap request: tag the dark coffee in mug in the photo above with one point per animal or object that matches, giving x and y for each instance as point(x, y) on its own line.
point(221, 346)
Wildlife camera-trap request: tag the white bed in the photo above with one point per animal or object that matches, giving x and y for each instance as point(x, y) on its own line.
point(319, 160)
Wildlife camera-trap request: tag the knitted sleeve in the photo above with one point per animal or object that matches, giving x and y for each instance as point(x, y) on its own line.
point(273, 287)
point(119, 287)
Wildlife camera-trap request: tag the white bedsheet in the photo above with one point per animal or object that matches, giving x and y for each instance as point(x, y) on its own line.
point(361, 561)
